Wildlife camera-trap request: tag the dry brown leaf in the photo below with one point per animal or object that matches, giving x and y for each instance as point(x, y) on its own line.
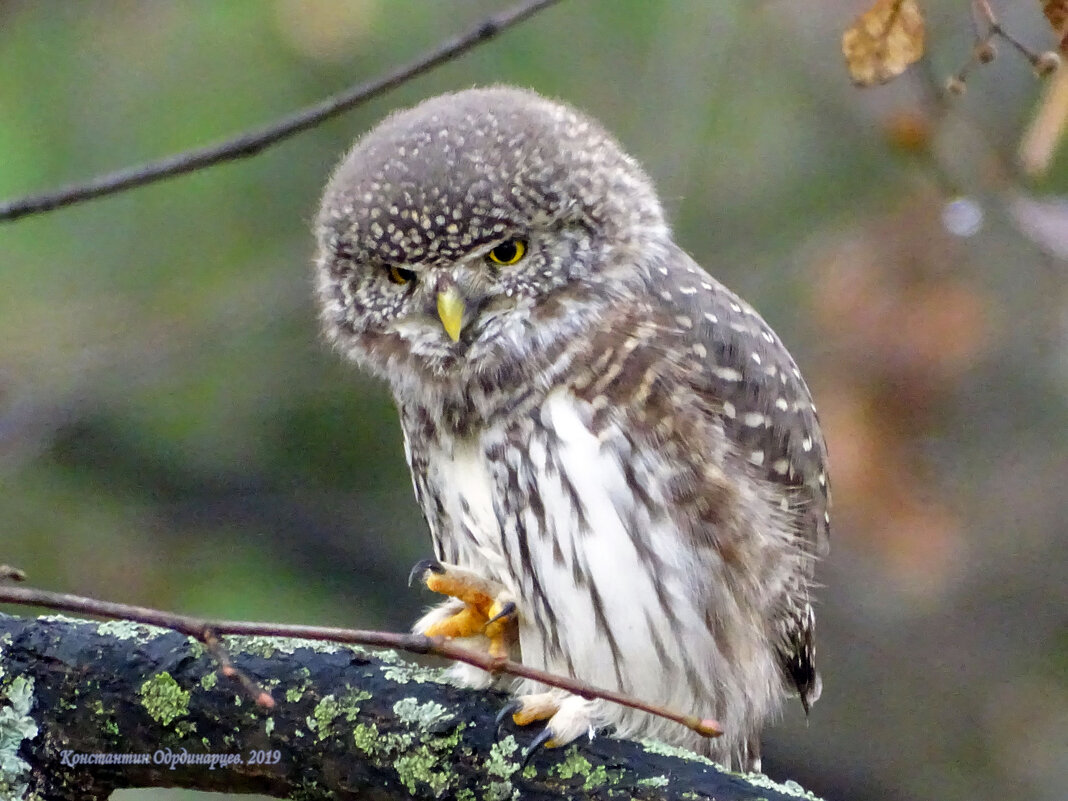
point(1056, 12)
point(884, 41)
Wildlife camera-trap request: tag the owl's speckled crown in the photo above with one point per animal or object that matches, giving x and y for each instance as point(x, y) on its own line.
point(433, 182)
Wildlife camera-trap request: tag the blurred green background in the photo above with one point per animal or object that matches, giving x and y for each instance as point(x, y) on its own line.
point(173, 432)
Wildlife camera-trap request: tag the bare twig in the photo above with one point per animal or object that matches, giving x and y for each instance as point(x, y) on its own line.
point(983, 9)
point(251, 143)
point(987, 29)
point(215, 647)
point(203, 630)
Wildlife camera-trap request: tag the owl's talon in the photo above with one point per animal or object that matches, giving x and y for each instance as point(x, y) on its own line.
point(500, 627)
point(505, 610)
point(422, 567)
point(543, 740)
point(510, 708)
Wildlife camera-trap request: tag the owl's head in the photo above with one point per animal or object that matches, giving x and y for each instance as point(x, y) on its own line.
point(476, 230)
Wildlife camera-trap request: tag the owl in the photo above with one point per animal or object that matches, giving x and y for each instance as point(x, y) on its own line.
point(619, 463)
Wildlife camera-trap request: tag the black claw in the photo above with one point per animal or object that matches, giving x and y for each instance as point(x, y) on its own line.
point(508, 610)
point(420, 568)
point(508, 709)
point(536, 745)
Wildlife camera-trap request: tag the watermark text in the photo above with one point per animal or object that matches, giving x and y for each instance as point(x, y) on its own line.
point(171, 758)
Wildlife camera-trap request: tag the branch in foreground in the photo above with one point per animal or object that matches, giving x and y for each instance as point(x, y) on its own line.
point(248, 144)
point(87, 708)
point(207, 632)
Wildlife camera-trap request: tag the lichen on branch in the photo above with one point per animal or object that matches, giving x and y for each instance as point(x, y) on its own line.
point(346, 721)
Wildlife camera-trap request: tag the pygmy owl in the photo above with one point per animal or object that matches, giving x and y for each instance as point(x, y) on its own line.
point(602, 437)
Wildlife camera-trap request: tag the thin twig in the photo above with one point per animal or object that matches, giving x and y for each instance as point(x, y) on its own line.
point(1021, 48)
point(250, 143)
point(984, 9)
point(987, 29)
point(215, 647)
point(199, 629)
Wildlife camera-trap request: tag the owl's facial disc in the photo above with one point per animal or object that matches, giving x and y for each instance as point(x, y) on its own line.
point(454, 312)
point(451, 302)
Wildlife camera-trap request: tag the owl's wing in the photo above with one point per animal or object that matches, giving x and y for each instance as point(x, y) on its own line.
point(767, 409)
point(767, 413)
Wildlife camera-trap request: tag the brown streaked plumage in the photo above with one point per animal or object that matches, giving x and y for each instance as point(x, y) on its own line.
point(616, 441)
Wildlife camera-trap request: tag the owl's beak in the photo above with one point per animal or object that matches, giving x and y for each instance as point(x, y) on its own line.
point(451, 311)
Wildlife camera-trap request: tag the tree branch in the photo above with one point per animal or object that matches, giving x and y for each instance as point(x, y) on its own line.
point(251, 143)
point(207, 632)
point(87, 708)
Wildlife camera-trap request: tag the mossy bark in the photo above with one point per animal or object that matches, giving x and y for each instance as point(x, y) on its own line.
point(86, 708)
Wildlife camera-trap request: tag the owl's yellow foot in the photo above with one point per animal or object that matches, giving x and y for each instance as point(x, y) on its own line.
point(486, 609)
point(568, 716)
point(527, 709)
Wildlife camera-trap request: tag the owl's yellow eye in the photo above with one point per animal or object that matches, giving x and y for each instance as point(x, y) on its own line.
point(508, 252)
point(398, 275)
